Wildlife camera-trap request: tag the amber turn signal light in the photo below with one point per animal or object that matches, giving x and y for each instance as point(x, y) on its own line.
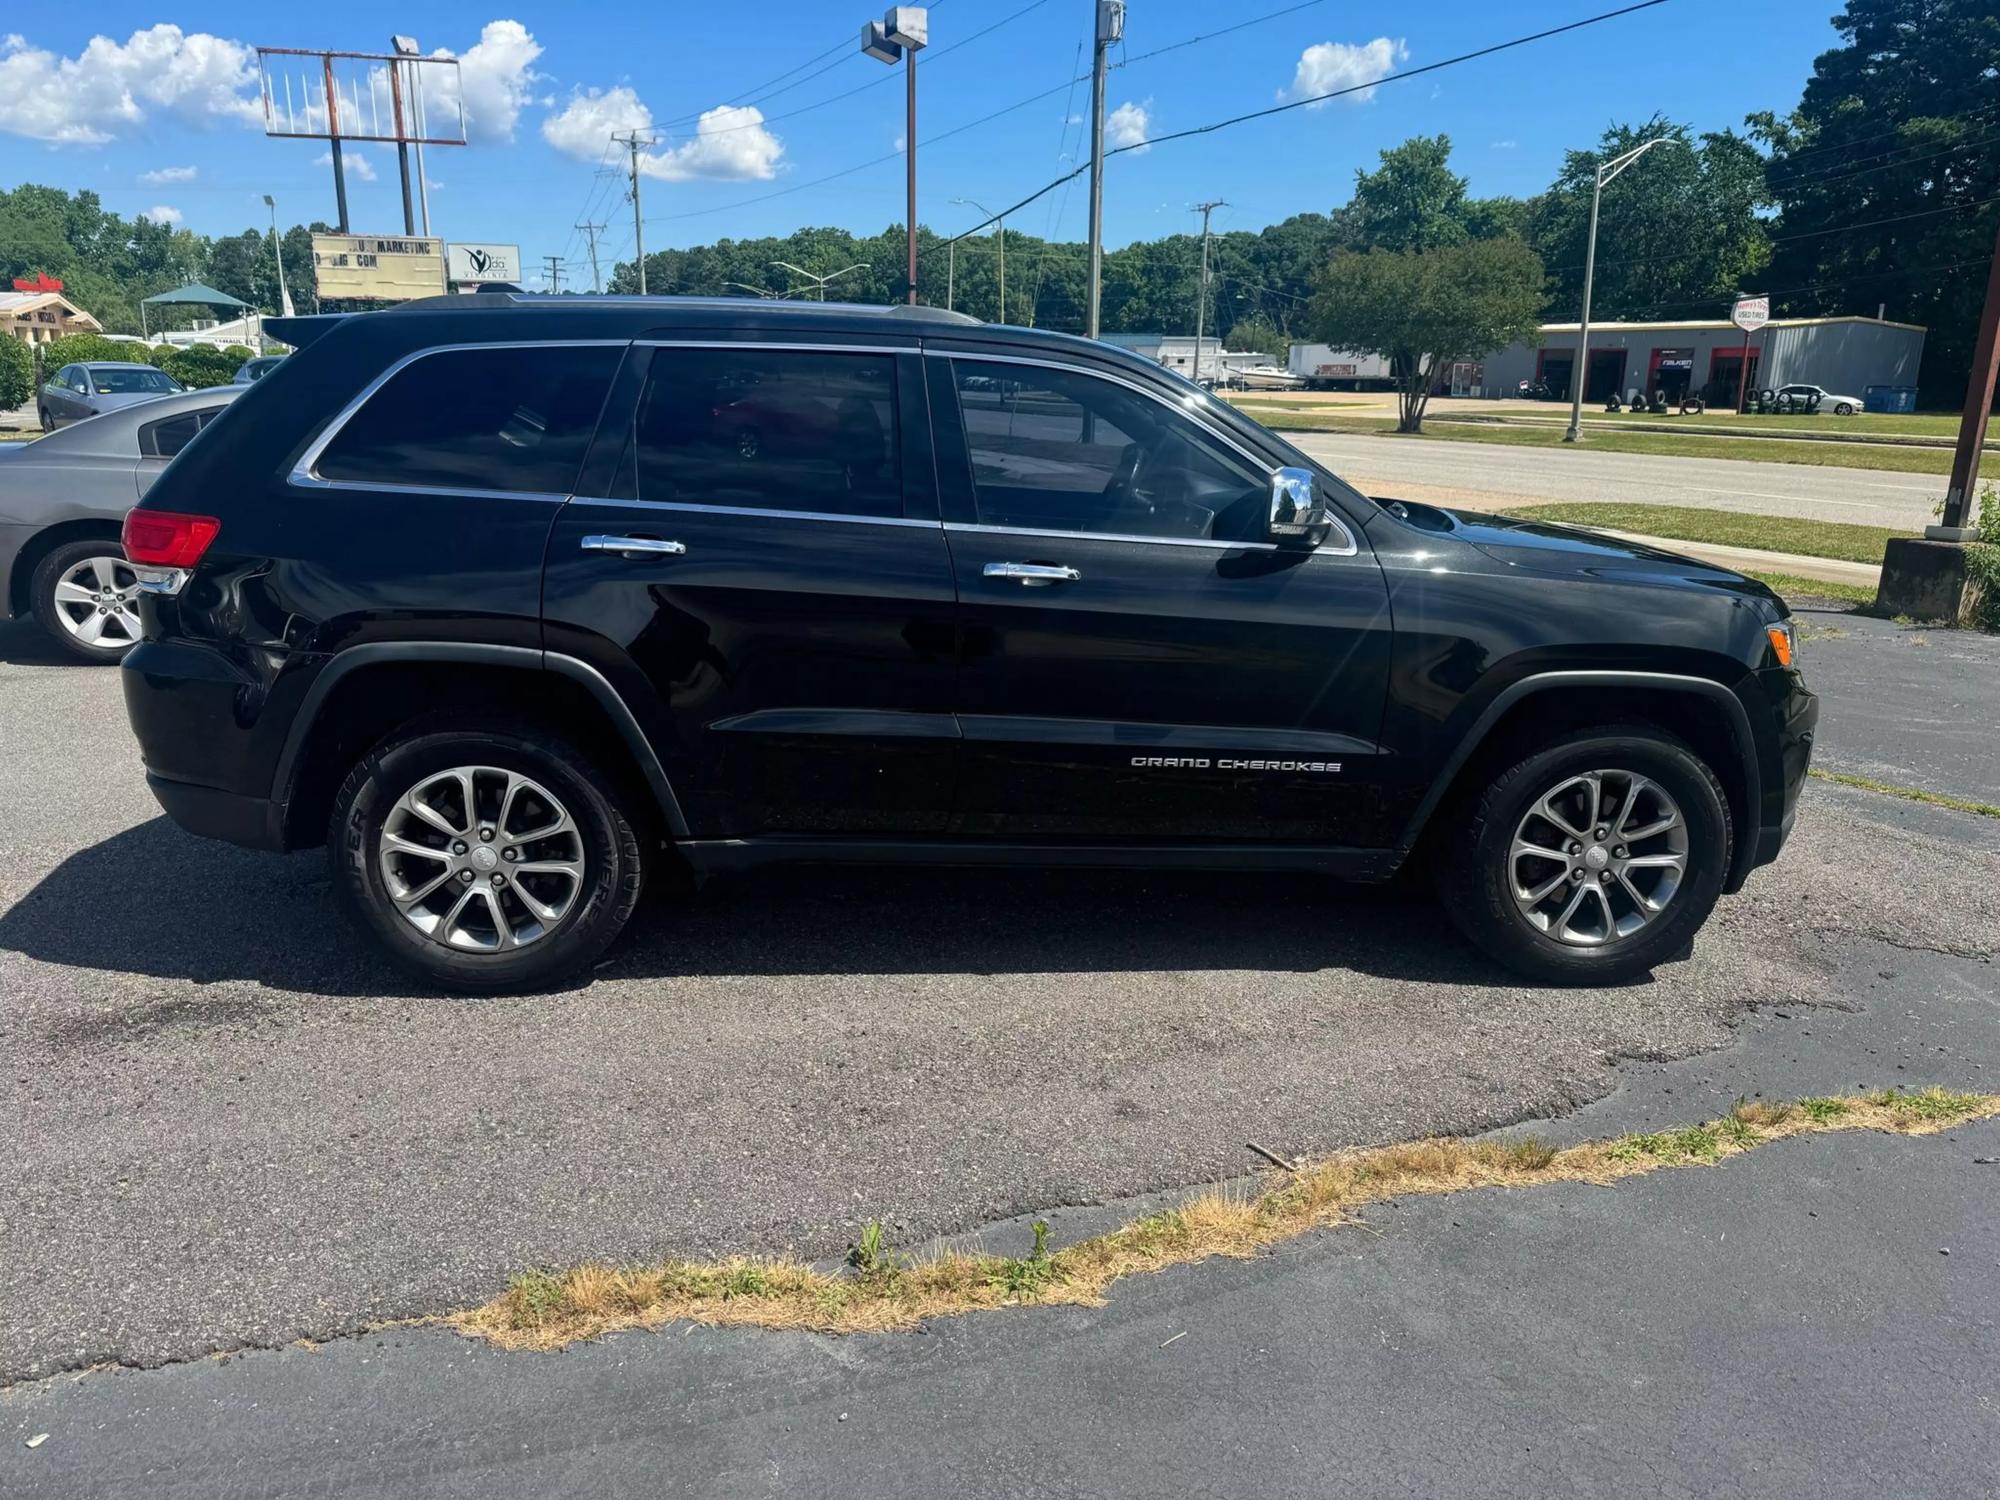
point(1780, 637)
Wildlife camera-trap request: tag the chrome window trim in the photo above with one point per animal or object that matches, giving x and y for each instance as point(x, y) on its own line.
point(979, 529)
point(694, 508)
point(792, 346)
point(1350, 547)
point(305, 472)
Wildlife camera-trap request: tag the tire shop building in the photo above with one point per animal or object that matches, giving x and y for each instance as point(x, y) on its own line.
point(1844, 354)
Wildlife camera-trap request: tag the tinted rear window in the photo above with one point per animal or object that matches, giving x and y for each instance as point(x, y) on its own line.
point(513, 419)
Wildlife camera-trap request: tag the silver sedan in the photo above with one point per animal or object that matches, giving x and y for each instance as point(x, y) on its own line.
point(63, 500)
point(76, 392)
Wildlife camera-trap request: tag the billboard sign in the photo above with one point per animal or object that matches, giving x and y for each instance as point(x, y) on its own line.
point(361, 96)
point(473, 263)
point(1751, 313)
point(377, 267)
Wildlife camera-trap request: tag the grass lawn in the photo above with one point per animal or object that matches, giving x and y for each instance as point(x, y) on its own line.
point(1787, 586)
point(1875, 424)
point(1523, 435)
point(1841, 540)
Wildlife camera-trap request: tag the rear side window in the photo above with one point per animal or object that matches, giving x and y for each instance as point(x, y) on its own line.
point(513, 419)
point(769, 429)
point(166, 437)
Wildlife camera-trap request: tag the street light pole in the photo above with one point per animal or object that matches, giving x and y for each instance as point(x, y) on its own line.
point(1000, 235)
point(819, 282)
point(278, 250)
point(902, 33)
point(1580, 372)
point(1110, 28)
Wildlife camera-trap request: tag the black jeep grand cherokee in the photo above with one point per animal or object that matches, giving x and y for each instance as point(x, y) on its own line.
point(513, 601)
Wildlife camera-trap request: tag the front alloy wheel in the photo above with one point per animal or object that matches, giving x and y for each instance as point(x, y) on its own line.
point(1597, 857)
point(1591, 860)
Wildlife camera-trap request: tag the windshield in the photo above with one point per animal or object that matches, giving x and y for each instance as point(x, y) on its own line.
point(130, 380)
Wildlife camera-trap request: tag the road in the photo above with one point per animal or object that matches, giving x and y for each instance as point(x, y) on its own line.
point(232, 1127)
point(1494, 475)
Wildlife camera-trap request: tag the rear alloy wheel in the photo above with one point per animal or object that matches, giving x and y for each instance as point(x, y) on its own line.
point(87, 596)
point(486, 859)
point(1592, 861)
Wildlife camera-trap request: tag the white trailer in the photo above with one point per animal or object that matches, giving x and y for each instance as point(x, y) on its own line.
point(1325, 368)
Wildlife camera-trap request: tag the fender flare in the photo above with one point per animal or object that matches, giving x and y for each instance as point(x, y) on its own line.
point(354, 658)
point(1739, 720)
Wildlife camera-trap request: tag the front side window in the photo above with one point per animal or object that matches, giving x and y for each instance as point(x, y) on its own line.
point(769, 429)
point(513, 419)
point(1062, 450)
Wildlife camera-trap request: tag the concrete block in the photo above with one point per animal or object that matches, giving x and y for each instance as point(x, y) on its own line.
point(1925, 580)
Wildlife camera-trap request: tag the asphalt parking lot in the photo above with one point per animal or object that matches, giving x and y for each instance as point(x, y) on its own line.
point(233, 1126)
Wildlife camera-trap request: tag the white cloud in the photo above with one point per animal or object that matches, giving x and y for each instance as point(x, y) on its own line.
point(161, 175)
point(161, 214)
point(496, 77)
point(583, 128)
point(1129, 125)
point(1327, 66)
point(1503, 145)
point(357, 166)
point(730, 144)
point(112, 87)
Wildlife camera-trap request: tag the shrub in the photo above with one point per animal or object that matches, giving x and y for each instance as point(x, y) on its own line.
point(17, 373)
point(74, 348)
point(201, 365)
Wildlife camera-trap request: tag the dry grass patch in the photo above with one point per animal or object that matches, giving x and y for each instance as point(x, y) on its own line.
point(885, 1291)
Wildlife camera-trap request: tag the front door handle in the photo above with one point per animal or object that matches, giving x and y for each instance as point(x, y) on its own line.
point(634, 546)
point(1032, 575)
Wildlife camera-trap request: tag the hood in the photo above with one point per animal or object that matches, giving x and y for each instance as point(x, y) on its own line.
point(1546, 547)
point(112, 400)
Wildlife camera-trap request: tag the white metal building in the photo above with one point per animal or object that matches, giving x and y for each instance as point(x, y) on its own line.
point(1844, 354)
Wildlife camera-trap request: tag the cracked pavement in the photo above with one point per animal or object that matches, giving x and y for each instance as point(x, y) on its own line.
point(232, 1130)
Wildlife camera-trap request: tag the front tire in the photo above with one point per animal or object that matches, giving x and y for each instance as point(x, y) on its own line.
point(1845, 409)
point(86, 596)
point(485, 858)
point(1591, 861)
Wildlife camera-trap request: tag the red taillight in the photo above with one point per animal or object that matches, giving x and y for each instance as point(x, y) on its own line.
point(167, 539)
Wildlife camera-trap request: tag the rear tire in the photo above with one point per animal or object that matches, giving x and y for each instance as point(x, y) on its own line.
point(1641, 774)
point(556, 924)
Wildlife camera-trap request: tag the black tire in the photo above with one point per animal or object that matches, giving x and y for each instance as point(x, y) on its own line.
point(42, 419)
point(1474, 875)
point(50, 615)
point(614, 865)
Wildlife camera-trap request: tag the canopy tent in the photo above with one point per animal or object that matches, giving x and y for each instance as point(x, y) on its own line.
point(192, 295)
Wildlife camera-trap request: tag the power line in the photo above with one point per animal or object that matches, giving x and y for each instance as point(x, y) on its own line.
point(1311, 99)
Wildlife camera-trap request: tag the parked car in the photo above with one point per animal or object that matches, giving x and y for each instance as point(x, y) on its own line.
point(486, 597)
point(253, 370)
point(63, 499)
point(1812, 398)
point(87, 390)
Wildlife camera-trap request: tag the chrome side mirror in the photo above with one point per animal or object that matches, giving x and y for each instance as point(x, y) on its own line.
point(1298, 516)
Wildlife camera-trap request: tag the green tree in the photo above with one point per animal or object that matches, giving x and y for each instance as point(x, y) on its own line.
point(1413, 201)
point(1260, 333)
point(1678, 230)
point(1423, 309)
point(1885, 175)
point(17, 373)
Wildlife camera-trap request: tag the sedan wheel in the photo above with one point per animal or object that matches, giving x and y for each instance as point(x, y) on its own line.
point(87, 596)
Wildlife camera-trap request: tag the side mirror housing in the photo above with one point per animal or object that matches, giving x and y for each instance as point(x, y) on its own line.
point(1298, 516)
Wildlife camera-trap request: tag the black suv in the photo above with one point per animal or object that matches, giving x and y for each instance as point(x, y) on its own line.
point(513, 601)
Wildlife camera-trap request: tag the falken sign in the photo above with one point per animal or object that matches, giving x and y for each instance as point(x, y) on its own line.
point(476, 263)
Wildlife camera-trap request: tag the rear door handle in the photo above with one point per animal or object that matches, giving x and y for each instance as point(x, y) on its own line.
point(634, 546)
point(1032, 575)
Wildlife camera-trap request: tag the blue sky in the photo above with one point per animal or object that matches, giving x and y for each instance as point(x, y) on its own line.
point(158, 119)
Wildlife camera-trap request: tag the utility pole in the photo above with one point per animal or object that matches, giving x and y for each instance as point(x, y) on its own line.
point(591, 232)
point(1960, 522)
point(552, 272)
point(950, 270)
point(1201, 297)
point(1110, 28)
point(636, 143)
